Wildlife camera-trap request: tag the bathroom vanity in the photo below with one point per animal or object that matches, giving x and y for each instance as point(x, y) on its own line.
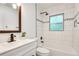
point(22, 47)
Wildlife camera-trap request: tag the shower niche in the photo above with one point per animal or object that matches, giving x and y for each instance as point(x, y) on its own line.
point(10, 18)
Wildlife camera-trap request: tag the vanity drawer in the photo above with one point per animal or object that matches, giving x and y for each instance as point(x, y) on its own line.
point(19, 51)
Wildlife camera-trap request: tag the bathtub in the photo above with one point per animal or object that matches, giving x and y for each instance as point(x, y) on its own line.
point(60, 52)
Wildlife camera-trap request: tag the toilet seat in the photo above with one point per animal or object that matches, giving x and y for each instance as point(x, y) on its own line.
point(42, 51)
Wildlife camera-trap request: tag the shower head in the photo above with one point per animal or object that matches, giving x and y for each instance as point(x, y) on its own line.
point(44, 13)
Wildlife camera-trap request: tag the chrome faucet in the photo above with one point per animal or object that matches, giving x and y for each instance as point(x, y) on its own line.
point(12, 38)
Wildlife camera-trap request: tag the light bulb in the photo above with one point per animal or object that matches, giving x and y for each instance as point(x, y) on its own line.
point(14, 6)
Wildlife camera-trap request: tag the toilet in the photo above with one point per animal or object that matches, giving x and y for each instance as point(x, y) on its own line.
point(42, 51)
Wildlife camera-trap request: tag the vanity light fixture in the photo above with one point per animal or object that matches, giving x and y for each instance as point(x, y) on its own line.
point(15, 5)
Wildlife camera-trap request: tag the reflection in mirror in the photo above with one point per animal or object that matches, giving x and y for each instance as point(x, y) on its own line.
point(10, 18)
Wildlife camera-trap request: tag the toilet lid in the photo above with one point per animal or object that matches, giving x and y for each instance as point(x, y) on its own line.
point(42, 50)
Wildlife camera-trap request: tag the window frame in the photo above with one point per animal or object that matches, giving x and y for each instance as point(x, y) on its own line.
point(62, 23)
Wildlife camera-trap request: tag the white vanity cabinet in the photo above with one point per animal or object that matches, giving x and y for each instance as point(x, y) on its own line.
point(24, 50)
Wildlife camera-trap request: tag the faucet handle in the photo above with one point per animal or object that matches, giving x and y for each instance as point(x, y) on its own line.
point(14, 35)
point(12, 38)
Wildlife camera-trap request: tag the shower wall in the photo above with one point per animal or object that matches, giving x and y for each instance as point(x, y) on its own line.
point(64, 41)
point(39, 31)
point(39, 26)
point(76, 31)
point(61, 40)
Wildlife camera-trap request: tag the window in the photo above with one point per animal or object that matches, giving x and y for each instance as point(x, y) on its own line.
point(56, 22)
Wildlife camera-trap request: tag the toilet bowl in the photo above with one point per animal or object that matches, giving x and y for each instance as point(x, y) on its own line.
point(42, 51)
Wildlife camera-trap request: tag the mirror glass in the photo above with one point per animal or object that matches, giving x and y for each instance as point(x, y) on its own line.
point(9, 17)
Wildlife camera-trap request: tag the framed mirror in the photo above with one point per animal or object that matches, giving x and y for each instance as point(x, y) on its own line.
point(10, 18)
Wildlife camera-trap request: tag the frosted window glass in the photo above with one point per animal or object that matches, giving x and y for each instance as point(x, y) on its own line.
point(56, 27)
point(56, 19)
point(56, 22)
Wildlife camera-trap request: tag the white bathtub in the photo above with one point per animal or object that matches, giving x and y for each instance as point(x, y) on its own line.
point(59, 52)
point(62, 52)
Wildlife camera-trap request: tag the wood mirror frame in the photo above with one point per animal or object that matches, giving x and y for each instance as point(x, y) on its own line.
point(19, 23)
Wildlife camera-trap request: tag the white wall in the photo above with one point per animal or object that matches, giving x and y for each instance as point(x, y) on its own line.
point(29, 19)
point(76, 31)
point(67, 9)
point(61, 40)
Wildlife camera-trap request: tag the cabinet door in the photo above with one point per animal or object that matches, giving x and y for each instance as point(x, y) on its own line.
point(31, 53)
point(25, 50)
